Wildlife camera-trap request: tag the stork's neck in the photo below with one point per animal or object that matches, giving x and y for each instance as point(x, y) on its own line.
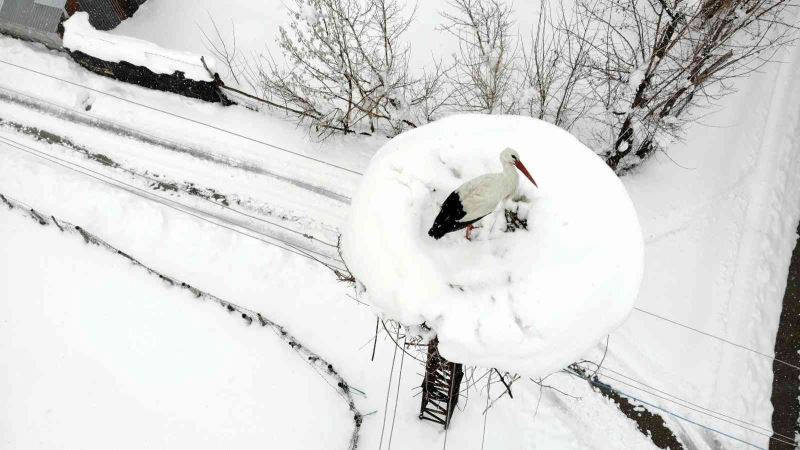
point(510, 179)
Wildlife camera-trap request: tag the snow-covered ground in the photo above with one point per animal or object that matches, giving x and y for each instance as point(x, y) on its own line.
point(80, 328)
point(719, 234)
point(98, 354)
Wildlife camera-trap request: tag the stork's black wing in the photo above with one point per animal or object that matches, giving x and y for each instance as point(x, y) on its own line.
point(448, 219)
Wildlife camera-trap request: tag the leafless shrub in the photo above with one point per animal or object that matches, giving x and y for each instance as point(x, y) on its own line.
point(484, 75)
point(554, 66)
point(223, 50)
point(653, 60)
point(625, 76)
point(346, 68)
point(236, 66)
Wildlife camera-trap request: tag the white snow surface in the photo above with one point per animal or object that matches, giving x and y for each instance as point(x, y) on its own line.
point(96, 351)
point(294, 291)
point(718, 212)
point(526, 301)
point(79, 35)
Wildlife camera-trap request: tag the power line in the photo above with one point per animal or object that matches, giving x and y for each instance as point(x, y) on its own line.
point(607, 369)
point(55, 160)
point(486, 411)
point(716, 337)
point(276, 147)
point(260, 219)
point(163, 201)
point(397, 393)
point(300, 155)
point(710, 413)
point(74, 116)
point(51, 158)
point(155, 180)
point(195, 121)
point(388, 389)
point(602, 385)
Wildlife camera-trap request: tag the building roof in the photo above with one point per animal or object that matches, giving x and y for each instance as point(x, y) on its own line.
point(33, 13)
point(103, 14)
point(52, 3)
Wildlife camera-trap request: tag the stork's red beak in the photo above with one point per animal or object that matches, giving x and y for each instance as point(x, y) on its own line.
point(522, 169)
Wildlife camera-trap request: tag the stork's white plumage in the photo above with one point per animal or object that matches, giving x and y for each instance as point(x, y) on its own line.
point(479, 197)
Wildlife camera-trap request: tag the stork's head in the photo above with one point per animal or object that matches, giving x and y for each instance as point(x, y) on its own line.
point(511, 157)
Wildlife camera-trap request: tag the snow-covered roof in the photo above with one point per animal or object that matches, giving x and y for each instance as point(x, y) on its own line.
point(79, 35)
point(529, 301)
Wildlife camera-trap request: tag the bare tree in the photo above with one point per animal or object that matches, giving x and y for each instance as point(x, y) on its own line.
point(225, 51)
point(554, 67)
point(346, 69)
point(625, 76)
point(484, 75)
point(653, 60)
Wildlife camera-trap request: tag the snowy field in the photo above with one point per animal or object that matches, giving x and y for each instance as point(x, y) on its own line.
point(97, 351)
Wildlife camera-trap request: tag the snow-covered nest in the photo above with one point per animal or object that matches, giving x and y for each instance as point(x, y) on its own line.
point(79, 35)
point(529, 301)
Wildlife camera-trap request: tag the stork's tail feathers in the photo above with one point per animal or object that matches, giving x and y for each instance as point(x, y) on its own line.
point(437, 231)
point(448, 218)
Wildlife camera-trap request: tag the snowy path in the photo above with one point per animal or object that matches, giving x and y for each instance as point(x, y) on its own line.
point(178, 162)
point(260, 196)
point(202, 203)
point(76, 117)
point(260, 159)
point(719, 236)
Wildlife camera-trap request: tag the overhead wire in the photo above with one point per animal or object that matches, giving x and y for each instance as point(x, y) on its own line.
point(708, 412)
point(678, 416)
point(680, 401)
point(113, 181)
point(727, 341)
point(302, 253)
point(189, 119)
point(397, 393)
point(486, 411)
point(10, 143)
point(155, 180)
point(388, 390)
point(276, 147)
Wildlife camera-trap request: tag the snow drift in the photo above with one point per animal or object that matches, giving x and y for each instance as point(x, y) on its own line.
point(529, 301)
point(79, 35)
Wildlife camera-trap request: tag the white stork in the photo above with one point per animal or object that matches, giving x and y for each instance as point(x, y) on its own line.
point(478, 197)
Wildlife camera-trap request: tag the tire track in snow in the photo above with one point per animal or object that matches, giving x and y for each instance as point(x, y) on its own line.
point(63, 113)
point(209, 195)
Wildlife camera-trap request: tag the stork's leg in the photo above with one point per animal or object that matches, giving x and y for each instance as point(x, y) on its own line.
point(469, 232)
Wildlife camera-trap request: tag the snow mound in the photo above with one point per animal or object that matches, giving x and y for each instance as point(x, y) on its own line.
point(79, 35)
point(528, 301)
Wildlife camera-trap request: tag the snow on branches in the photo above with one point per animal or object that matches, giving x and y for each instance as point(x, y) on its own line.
point(346, 68)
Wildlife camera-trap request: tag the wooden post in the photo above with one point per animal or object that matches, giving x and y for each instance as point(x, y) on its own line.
point(440, 387)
